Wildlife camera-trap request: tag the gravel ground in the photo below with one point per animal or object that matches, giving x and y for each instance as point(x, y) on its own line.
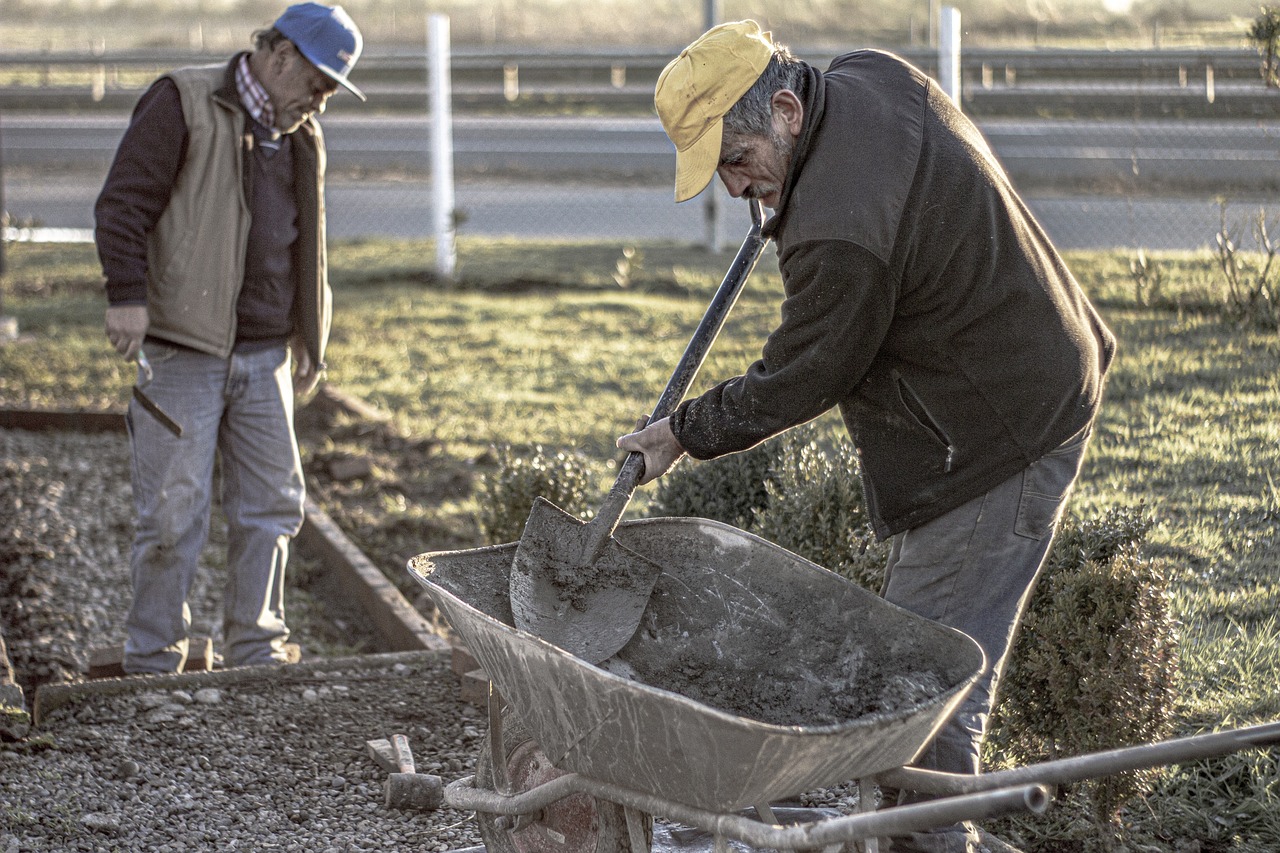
point(255, 760)
point(65, 529)
point(248, 759)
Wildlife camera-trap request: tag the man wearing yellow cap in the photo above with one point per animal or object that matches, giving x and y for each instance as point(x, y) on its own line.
point(922, 299)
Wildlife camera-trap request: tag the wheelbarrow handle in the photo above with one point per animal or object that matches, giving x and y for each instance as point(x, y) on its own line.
point(1092, 765)
point(690, 363)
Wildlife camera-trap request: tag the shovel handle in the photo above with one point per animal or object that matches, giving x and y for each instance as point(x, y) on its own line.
point(694, 354)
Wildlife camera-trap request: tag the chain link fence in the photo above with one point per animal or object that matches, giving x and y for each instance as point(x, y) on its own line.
point(1165, 176)
point(1163, 184)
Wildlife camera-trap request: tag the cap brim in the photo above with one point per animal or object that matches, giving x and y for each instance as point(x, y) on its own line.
point(327, 71)
point(696, 165)
point(347, 84)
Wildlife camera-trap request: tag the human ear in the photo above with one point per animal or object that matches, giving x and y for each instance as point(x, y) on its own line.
point(281, 55)
point(787, 110)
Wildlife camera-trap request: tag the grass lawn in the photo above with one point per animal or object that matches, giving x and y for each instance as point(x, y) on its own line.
point(539, 345)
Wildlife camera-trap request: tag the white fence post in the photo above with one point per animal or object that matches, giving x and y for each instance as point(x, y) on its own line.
point(949, 53)
point(444, 220)
point(711, 197)
point(8, 325)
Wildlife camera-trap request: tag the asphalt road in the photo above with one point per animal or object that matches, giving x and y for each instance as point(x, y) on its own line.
point(609, 177)
point(1050, 151)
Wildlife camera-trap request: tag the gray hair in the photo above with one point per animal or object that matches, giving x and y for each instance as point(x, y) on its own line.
point(752, 115)
point(267, 39)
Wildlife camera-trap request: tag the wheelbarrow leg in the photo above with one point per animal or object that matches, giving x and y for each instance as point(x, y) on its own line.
point(637, 824)
point(511, 764)
point(765, 812)
point(497, 748)
point(867, 794)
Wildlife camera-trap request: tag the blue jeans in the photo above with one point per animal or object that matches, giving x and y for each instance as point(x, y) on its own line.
point(974, 569)
point(241, 410)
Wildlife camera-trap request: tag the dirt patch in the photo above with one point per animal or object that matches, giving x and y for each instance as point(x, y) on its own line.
point(385, 489)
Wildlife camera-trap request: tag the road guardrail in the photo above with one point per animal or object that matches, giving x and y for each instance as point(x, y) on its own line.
point(1183, 83)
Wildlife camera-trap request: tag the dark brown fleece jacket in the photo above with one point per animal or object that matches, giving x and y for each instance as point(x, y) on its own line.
point(922, 298)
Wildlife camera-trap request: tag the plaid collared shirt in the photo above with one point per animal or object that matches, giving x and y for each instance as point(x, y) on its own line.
point(254, 97)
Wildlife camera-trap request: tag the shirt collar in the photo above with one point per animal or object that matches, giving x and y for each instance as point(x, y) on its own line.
point(255, 98)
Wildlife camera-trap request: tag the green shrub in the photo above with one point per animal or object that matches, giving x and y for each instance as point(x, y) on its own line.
point(522, 475)
point(815, 509)
point(729, 489)
point(1094, 664)
point(1252, 278)
point(792, 490)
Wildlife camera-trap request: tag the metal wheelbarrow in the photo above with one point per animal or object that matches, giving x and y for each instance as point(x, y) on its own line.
point(755, 676)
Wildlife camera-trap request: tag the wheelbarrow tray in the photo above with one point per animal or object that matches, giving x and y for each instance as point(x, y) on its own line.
point(755, 674)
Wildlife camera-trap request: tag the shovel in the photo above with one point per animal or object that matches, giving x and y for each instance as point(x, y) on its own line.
point(572, 583)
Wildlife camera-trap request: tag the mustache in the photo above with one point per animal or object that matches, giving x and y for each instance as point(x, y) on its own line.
point(759, 191)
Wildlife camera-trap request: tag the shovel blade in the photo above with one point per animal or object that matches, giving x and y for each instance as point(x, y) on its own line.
point(588, 604)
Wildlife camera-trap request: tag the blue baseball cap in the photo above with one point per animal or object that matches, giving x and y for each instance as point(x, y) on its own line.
point(327, 37)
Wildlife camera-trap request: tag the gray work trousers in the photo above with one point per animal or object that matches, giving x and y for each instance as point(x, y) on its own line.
point(974, 569)
point(241, 409)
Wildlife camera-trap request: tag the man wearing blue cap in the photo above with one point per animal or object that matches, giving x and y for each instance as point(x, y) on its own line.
point(211, 234)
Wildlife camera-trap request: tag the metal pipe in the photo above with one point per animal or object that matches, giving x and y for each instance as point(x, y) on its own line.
point(1091, 766)
point(949, 53)
point(463, 794)
point(821, 833)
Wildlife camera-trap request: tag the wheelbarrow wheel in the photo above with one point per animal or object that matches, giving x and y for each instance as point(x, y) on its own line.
point(579, 823)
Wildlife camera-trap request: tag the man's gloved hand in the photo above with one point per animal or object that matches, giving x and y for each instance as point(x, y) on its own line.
point(658, 444)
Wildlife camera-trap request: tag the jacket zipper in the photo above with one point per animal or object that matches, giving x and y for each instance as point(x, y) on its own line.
point(925, 418)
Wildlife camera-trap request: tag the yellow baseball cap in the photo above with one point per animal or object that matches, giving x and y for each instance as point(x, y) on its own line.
point(699, 87)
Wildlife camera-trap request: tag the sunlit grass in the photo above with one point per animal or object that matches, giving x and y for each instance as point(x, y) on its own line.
point(553, 368)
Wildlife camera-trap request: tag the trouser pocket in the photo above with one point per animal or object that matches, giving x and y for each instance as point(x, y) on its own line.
point(1046, 483)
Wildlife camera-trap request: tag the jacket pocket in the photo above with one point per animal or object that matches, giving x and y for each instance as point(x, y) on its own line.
point(920, 413)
